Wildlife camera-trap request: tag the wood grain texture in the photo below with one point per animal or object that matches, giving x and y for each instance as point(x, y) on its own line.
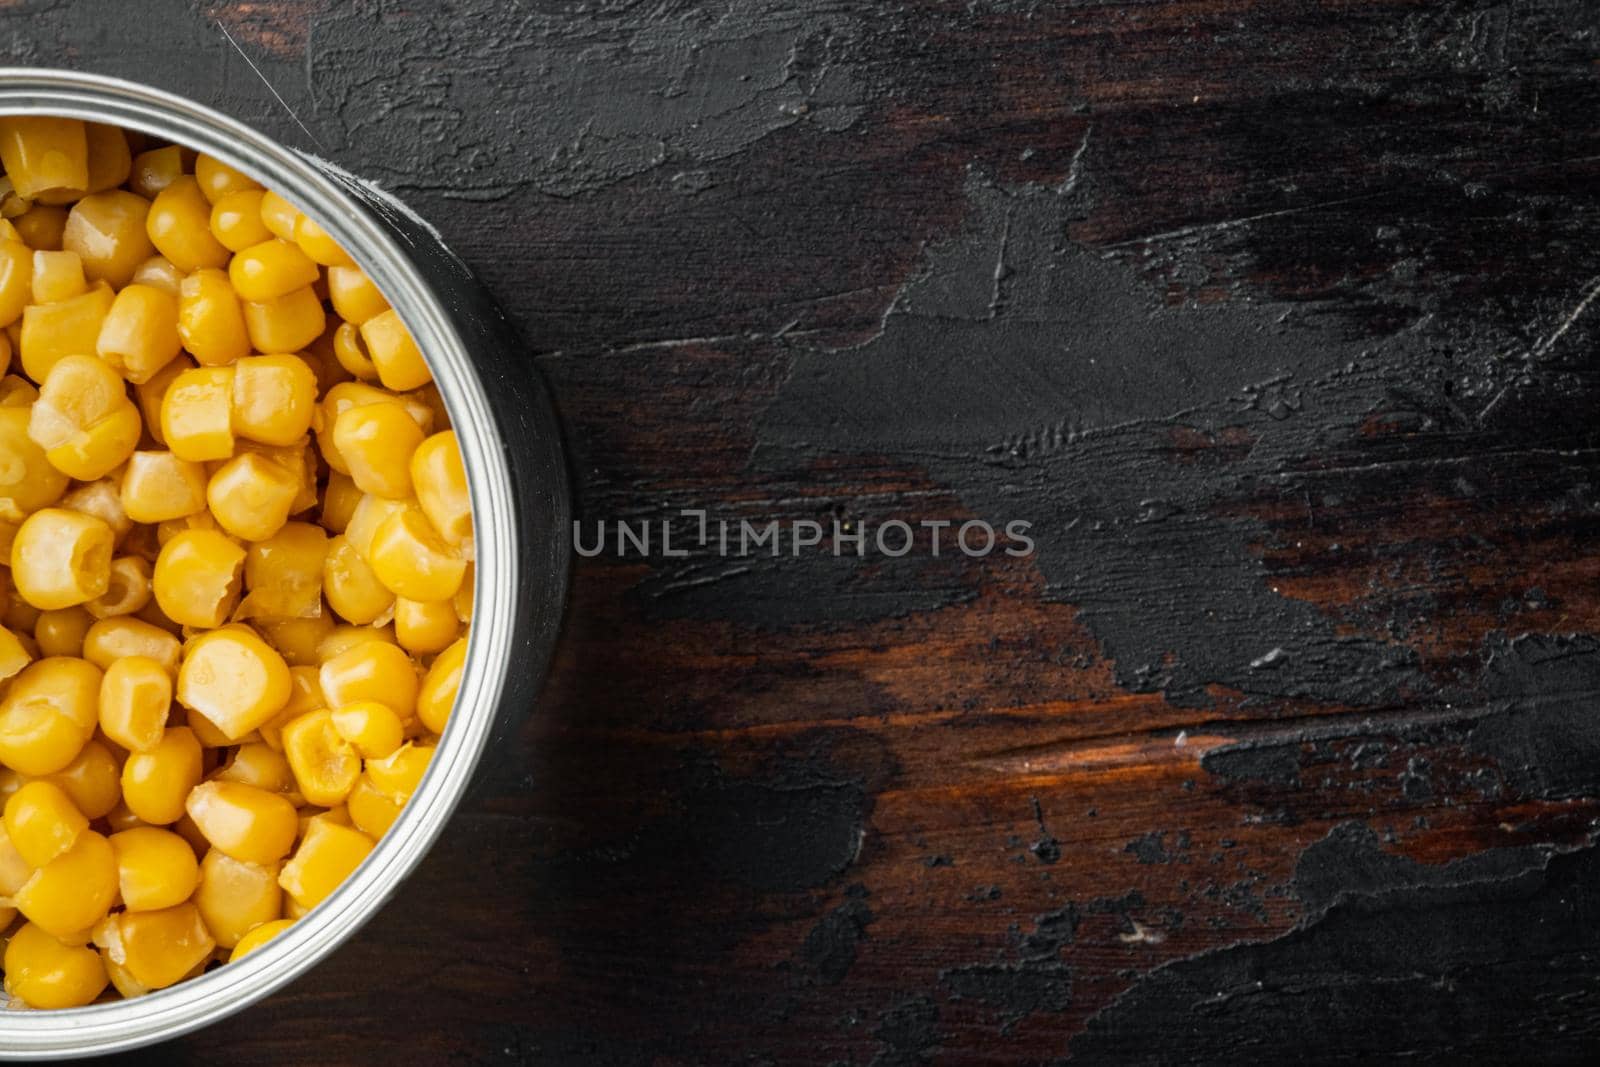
point(1277, 320)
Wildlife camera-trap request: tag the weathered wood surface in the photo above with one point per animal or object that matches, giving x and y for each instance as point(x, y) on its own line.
point(1275, 319)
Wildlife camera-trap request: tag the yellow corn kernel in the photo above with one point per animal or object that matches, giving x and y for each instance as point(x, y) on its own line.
point(351, 352)
point(376, 442)
point(339, 500)
point(74, 891)
point(270, 269)
point(42, 822)
point(325, 765)
point(236, 896)
point(16, 280)
point(423, 627)
point(234, 679)
point(355, 298)
point(373, 729)
point(61, 632)
point(260, 765)
point(306, 697)
point(278, 215)
point(48, 715)
point(211, 319)
point(250, 824)
point(101, 500)
point(41, 226)
point(325, 858)
point(196, 420)
point(140, 333)
point(155, 868)
point(251, 496)
point(259, 936)
point(399, 362)
point(44, 154)
point(158, 486)
point(156, 783)
point(179, 225)
point(41, 972)
point(316, 243)
point(371, 671)
point(14, 654)
point(351, 586)
point(236, 220)
point(101, 448)
point(16, 391)
point(156, 169)
point(285, 323)
point(112, 639)
point(197, 575)
point(158, 272)
point(135, 699)
point(410, 558)
point(61, 558)
point(79, 392)
point(297, 639)
point(343, 638)
point(440, 481)
point(274, 398)
point(346, 395)
point(440, 685)
point(208, 733)
point(57, 276)
point(127, 591)
point(372, 812)
point(27, 480)
point(51, 332)
point(107, 231)
point(157, 948)
point(283, 574)
point(92, 780)
point(218, 180)
point(110, 159)
point(14, 870)
point(153, 393)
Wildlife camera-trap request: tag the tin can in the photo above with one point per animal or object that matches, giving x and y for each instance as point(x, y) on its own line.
point(511, 448)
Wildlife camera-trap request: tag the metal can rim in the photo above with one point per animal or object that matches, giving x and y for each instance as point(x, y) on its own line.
point(305, 180)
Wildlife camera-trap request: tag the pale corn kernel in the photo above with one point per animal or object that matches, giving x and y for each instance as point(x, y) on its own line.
point(285, 323)
point(399, 362)
point(101, 499)
point(140, 333)
point(101, 448)
point(410, 557)
point(51, 332)
point(196, 414)
point(42, 972)
point(156, 868)
point(283, 574)
point(61, 558)
point(74, 891)
point(235, 679)
point(159, 486)
point(135, 699)
point(271, 269)
point(258, 936)
point(274, 399)
point(42, 822)
point(248, 823)
point(156, 169)
point(157, 948)
point(437, 694)
point(325, 765)
point(376, 442)
point(179, 225)
point(92, 780)
point(159, 272)
point(252, 496)
point(61, 632)
point(236, 897)
point(236, 220)
point(423, 627)
point(112, 639)
point(57, 276)
point(28, 482)
point(211, 319)
point(197, 578)
point(156, 783)
point(440, 482)
point(127, 590)
point(218, 180)
point(107, 231)
point(369, 514)
point(327, 855)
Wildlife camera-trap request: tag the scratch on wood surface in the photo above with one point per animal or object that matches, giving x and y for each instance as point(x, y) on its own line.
point(1591, 291)
point(276, 95)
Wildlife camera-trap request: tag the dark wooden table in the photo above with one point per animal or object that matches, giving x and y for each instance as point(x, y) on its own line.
point(1278, 322)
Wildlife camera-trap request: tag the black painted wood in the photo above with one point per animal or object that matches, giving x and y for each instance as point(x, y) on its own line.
point(1277, 321)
